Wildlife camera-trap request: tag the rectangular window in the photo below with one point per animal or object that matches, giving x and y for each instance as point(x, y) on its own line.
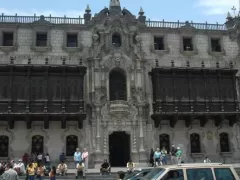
point(72, 40)
point(216, 45)
point(41, 39)
point(7, 39)
point(187, 44)
point(158, 43)
point(201, 173)
point(224, 173)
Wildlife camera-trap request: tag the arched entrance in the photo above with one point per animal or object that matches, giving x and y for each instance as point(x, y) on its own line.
point(71, 145)
point(117, 85)
point(119, 148)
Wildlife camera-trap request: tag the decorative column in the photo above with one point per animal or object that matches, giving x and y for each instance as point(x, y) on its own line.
point(142, 151)
point(135, 156)
point(98, 137)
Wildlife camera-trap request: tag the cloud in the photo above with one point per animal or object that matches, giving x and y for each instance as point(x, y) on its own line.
point(68, 13)
point(217, 7)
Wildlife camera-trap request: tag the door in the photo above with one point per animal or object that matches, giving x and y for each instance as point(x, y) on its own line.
point(119, 149)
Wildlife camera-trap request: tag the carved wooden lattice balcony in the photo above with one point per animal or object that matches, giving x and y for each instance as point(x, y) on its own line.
point(188, 93)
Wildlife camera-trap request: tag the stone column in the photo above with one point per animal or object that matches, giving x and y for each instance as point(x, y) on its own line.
point(142, 151)
point(98, 153)
point(134, 150)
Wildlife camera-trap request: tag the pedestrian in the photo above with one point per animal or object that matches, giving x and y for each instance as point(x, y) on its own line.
point(151, 158)
point(173, 154)
point(179, 155)
point(207, 160)
point(10, 174)
point(157, 157)
point(52, 173)
point(164, 156)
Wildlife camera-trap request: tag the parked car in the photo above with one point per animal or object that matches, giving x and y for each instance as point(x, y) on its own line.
point(138, 174)
point(202, 171)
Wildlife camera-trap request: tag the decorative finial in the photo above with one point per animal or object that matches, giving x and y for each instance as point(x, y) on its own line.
point(46, 61)
point(172, 63)
point(88, 9)
point(231, 64)
point(29, 60)
point(11, 60)
point(234, 11)
point(156, 63)
point(63, 60)
point(217, 65)
point(203, 64)
point(188, 64)
point(141, 12)
point(80, 61)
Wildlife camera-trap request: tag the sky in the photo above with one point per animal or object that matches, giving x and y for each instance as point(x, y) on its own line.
point(198, 11)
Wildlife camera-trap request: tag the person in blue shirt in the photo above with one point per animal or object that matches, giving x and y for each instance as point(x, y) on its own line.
point(157, 157)
point(77, 156)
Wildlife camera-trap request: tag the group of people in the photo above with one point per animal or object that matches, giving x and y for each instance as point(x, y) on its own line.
point(159, 157)
point(33, 170)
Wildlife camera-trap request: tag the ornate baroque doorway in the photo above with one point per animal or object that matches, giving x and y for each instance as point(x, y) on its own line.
point(119, 149)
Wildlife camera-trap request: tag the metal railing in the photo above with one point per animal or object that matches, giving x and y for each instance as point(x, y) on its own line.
point(67, 20)
point(32, 19)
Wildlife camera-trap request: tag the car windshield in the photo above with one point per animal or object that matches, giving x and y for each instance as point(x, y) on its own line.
point(131, 175)
point(154, 174)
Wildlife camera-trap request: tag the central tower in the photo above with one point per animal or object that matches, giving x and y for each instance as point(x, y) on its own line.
point(115, 7)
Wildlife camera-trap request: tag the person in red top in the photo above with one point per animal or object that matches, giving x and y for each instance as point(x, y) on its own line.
point(25, 159)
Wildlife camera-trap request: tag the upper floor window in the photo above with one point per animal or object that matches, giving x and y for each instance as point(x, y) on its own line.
point(216, 45)
point(8, 39)
point(41, 39)
point(116, 40)
point(72, 40)
point(158, 43)
point(224, 142)
point(195, 143)
point(187, 44)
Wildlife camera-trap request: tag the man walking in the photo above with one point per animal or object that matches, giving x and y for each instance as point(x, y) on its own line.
point(173, 154)
point(10, 174)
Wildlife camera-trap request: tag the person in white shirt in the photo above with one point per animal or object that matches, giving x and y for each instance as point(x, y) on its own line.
point(207, 160)
point(47, 159)
point(62, 169)
point(40, 157)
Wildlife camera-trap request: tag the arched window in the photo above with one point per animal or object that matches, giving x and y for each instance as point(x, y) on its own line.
point(71, 145)
point(117, 85)
point(164, 142)
point(4, 146)
point(195, 143)
point(116, 40)
point(224, 142)
point(37, 144)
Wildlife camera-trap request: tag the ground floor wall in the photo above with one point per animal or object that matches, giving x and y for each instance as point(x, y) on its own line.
point(195, 141)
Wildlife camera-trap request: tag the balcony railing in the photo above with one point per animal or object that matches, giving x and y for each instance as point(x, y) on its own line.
point(176, 25)
point(67, 20)
point(31, 19)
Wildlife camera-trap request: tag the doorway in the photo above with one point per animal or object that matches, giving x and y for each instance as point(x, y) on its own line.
point(119, 149)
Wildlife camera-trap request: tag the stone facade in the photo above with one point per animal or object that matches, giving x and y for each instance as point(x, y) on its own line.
point(136, 57)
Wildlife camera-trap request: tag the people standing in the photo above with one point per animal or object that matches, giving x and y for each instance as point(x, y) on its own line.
point(47, 159)
point(164, 156)
point(151, 158)
point(40, 171)
point(10, 174)
point(85, 158)
point(157, 157)
point(173, 154)
point(207, 160)
point(179, 155)
point(31, 171)
point(77, 156)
